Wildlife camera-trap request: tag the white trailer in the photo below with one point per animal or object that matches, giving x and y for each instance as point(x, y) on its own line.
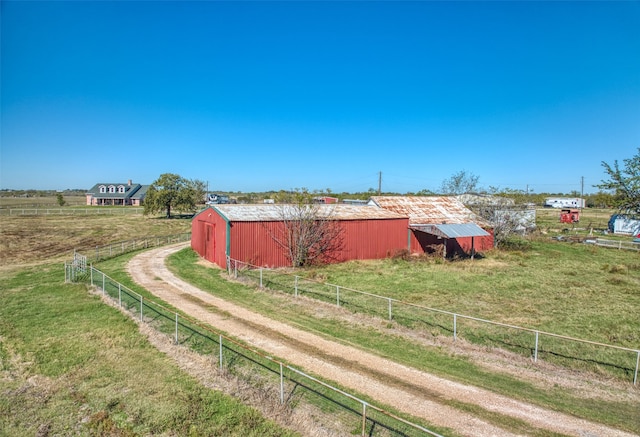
point(564, 202)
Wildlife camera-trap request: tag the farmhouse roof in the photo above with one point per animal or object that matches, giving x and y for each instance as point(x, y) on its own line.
point(271, 212)
point(428, 210)
point(130, 190)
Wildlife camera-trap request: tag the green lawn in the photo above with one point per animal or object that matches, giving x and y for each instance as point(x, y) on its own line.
point(408, 279)
point(72, 365)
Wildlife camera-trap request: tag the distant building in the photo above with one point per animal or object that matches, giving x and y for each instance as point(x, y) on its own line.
point(325, 200)
point(217, 199)
point(117, 194)
point(564, 202)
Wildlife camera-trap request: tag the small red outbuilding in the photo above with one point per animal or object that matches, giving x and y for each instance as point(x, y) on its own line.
point(439, 221)
point(245, 233)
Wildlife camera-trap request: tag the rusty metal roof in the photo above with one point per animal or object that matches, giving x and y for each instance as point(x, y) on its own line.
point(271, 212)
point(428, 210)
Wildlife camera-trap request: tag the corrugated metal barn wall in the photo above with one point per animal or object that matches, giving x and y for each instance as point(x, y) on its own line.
point(373, 239)
point(253, 242)
point(209, 236)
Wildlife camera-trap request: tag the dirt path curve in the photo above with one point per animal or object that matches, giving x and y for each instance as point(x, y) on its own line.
point(412, 391)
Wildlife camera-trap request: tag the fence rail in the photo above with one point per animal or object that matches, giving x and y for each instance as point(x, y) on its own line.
point(121, 247)
point(617, 244)
point(96, 210)
point(562, 348)
point(231, 355)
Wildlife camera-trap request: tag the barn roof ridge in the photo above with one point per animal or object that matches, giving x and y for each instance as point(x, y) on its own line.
point(275, 212)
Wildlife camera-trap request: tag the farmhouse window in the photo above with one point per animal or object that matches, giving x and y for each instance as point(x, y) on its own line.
point(120, 188)
point(103, 189)
point(112, 189)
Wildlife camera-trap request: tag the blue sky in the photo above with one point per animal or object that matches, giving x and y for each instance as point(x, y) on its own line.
point(256, 96)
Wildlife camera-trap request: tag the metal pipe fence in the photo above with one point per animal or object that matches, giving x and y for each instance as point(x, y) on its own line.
point(73, 211)
point(285, 383)
point(617, 244)
point(121, 247)
point(535, 343)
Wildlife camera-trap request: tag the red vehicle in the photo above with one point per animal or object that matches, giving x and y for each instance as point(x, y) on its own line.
point(570, 216)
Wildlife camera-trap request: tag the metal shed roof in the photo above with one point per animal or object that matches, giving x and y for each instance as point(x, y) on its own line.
point(453, 230)
point(428, 209)
point(270, 212)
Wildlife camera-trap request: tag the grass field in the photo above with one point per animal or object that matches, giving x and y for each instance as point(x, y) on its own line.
point(71, 365)
point(29, 239)
point(405, 350)
point(60, 377)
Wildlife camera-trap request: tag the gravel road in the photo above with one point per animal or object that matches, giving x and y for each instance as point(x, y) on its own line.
point(415, 392)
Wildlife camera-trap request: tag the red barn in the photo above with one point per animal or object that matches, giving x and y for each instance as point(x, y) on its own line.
point(439, 221)
point(245, 233)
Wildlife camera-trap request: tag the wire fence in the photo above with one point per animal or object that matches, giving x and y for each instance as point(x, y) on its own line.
point(288, 385)
point(96, 210)
point(620, 361)
point(112, 250)
point(617, 244)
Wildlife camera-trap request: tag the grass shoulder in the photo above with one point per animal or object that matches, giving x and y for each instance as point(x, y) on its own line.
point(376, 336)
point(72, 365)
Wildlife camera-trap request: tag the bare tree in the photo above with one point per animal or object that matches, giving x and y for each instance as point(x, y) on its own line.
point(460, 183)
point(506, 218)
point(310, 233)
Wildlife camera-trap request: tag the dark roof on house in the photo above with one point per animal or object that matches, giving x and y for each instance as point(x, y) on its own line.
point(134, 191)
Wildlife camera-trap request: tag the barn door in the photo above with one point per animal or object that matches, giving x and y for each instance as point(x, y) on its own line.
point(210, 242)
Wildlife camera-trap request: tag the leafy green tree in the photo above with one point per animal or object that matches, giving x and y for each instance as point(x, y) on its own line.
point(625, 183)
point(173, 192)
point(60, 199)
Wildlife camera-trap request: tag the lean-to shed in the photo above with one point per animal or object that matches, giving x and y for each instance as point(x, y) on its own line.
point(439, 222)
point(246, 233)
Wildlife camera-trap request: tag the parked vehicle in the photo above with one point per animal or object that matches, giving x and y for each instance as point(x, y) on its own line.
point(216, 199)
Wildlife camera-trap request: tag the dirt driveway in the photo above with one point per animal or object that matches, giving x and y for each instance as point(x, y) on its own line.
point(415, 392)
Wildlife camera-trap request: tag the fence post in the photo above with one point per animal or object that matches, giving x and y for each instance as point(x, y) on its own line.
point(235, 270)
point(176, 328)
point(535, 352)
point(119, 295)
point(220, 343)
point(91, 274)
point(281, 385)
point(364, 419)
point(635, 375)
point(338, 295)
point(141, 315)
point(260, 277)
point(390, 313)
point(455, 327)
point(103, 287)
point(295, 286)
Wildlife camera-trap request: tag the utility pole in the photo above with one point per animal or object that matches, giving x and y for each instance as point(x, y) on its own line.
point(379, 183)
point(581, 193)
